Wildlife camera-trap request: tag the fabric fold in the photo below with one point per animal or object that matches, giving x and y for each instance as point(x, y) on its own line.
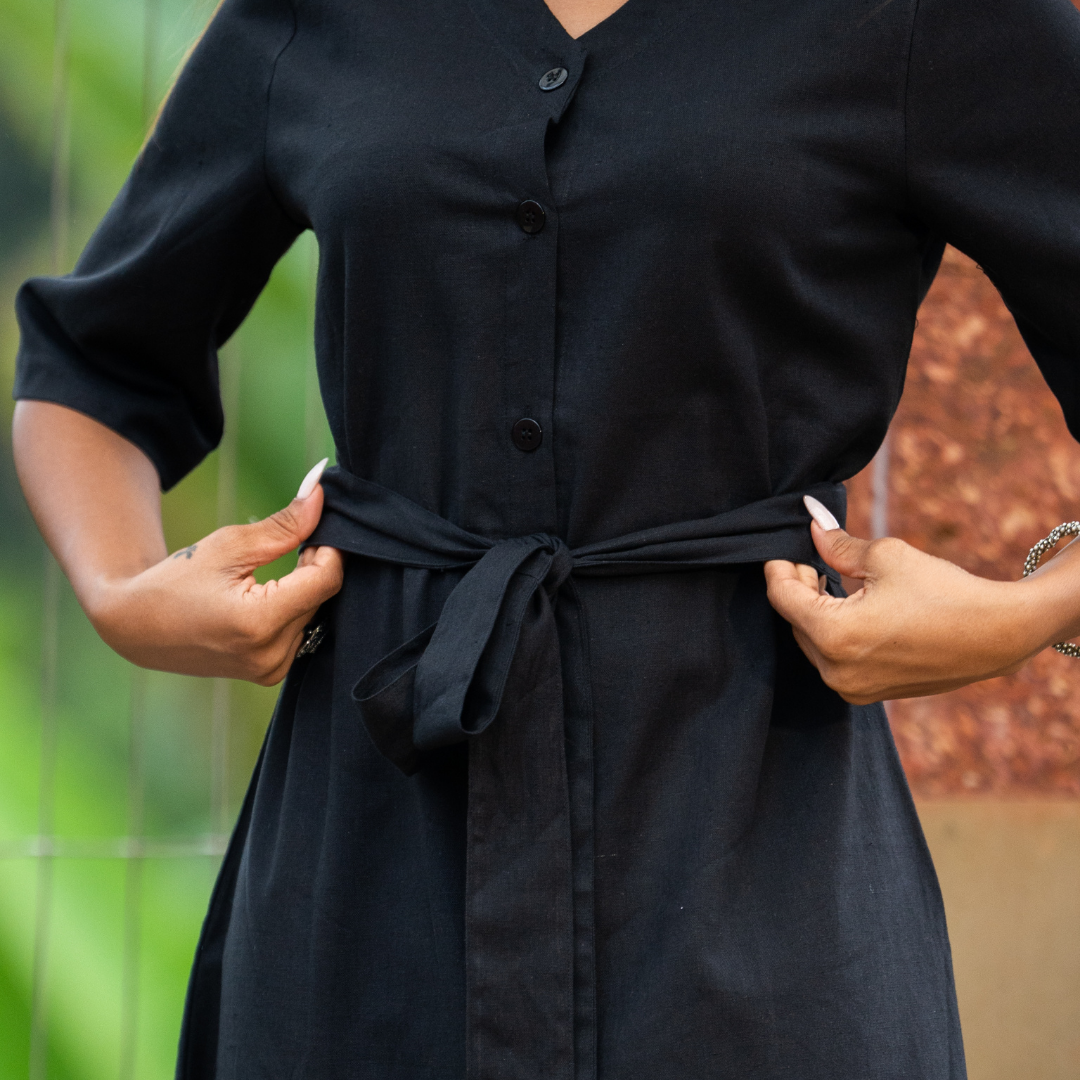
point(460, 680)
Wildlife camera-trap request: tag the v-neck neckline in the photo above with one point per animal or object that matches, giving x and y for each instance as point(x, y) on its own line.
point(535, 41)
point(596, 26)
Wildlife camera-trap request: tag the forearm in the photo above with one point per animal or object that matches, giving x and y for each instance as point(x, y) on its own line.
point(96, 499)
point(94, 495)
point(920, 625)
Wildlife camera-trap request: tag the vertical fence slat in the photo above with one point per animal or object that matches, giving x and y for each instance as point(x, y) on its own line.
point(133, 867)
point(220, 722)
point(60, 176)
point(133, 876)
point(39, 1019)
point(59, 211)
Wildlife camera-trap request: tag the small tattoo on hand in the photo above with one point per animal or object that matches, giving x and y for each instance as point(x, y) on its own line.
point(188, 551)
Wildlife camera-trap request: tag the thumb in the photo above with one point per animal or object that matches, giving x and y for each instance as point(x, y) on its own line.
point(793, 590)
point(284, 531)
point(840, 550)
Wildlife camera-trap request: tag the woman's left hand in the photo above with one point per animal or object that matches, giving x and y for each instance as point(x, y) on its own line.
point(919, 625)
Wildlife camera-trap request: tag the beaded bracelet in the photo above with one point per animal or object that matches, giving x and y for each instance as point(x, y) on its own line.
point(1067, 528)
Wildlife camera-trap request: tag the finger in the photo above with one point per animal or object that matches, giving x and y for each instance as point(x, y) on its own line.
point(312, 552)
point(291, 636)
point(264, 541)
point(840, 550)
point(776, 569)
point(793, 590)
point(299, 594)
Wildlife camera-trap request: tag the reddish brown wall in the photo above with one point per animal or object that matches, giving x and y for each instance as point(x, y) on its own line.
point(980, 466)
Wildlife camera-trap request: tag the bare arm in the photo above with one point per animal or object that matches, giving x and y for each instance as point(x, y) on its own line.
point(919, 625)
point(96, 499)
point(94, 495)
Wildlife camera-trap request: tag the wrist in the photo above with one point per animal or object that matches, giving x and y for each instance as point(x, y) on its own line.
point(1049, 600)
point(105, 598)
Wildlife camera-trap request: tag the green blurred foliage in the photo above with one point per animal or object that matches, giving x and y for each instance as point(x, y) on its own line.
point(278, 431)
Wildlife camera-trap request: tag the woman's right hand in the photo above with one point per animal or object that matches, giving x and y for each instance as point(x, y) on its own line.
point(200, 611)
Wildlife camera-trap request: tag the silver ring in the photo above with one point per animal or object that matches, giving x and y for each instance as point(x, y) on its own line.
point(1031, 563)
point(313, 635)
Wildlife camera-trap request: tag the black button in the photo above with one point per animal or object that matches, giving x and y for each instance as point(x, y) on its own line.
point(553, 79)
point(527, 435)
point(531, 216)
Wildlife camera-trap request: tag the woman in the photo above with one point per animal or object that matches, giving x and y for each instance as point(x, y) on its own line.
point(604, 292)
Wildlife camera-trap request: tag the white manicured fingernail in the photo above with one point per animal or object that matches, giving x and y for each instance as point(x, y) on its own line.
point(820, 513)
point(307, 485)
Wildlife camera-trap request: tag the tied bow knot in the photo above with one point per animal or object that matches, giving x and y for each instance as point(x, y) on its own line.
point(447, 683)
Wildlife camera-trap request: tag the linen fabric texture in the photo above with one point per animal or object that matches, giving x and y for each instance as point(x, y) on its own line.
point(654, 845)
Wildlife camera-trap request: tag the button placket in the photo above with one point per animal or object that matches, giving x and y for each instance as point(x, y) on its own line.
point(564, 1022)
point(554, 67)
point(529, 366)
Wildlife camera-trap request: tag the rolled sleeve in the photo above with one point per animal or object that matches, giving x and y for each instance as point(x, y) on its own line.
point(130, 337)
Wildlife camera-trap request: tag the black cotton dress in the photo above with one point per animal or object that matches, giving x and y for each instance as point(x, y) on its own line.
point(558, 797)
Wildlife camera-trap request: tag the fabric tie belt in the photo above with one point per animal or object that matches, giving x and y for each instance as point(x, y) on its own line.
point(494, 653)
